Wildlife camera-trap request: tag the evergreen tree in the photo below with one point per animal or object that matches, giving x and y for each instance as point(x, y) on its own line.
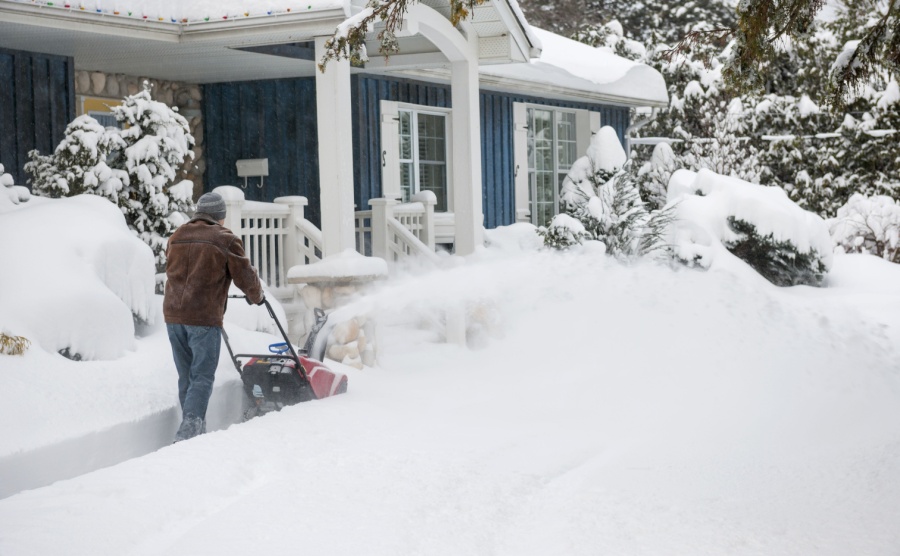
point(133, 167)
point(601, 201)
point(79, 163)
point(778, 261)
point(42, 172)
point(157, 139)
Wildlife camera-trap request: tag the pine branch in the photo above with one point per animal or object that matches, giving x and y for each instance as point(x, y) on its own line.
point(694, 39)
point(349, 40)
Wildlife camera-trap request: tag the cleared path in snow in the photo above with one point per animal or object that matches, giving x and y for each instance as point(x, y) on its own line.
point(615, 411)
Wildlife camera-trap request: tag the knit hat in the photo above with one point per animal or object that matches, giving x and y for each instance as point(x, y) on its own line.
point(212, 204)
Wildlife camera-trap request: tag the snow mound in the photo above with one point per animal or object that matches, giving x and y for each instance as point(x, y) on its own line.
point(80, 276)
point(705, 201)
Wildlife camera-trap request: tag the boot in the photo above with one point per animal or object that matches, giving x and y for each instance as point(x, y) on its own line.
point(190, 427)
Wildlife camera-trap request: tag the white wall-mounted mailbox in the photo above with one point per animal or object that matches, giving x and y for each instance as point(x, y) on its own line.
point(253, 168)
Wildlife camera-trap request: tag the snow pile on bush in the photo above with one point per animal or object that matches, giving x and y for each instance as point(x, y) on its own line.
point(75, 277)
point(79, 163)
point(758, 224)
point(868, 225)
point(601, 199)
point(134, 167)
point(11, 194)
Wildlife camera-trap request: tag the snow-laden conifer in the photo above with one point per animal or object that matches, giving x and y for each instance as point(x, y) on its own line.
point(157, 140)
point(602, 202)
point(868, 225)
point(78, 165)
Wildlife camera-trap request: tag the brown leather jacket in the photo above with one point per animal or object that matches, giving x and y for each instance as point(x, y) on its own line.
point(203, 258)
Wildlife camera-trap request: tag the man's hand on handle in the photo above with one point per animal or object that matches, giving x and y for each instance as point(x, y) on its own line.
point(262, 300)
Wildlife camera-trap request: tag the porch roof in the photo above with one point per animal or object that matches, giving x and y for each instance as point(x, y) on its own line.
point(208, 41)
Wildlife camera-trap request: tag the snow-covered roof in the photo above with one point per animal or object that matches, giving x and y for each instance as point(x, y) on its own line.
point(566, 66)
point(208, 41)
point(195, 12)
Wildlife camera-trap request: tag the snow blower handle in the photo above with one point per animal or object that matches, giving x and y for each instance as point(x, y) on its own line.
point(277, 323)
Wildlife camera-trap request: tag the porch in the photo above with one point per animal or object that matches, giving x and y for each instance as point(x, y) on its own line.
point(277, 236)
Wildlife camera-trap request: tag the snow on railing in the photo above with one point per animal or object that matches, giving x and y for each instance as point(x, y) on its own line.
point(276, 236)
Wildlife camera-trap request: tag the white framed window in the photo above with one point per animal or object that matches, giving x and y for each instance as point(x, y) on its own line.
point(548, 141)
point(416, 152)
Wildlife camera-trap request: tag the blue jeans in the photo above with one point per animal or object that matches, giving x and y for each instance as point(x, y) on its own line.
point(196, 353)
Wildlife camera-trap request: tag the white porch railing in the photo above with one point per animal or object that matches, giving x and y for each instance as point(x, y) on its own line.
point(276, 236)
point(393, 231)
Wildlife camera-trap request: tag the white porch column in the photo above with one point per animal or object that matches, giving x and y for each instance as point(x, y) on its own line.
point(382, 211)
point(333, 111)
point(462, 52)
point(466, 118)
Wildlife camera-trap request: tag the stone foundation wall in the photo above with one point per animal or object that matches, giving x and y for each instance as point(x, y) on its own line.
point(352, 341)
point(188, 97)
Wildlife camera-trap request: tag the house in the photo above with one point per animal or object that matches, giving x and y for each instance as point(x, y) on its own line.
point(487, 115)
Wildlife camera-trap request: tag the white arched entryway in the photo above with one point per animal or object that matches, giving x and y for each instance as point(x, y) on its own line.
point(460, 48)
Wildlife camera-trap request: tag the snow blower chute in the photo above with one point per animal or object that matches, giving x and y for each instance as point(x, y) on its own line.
point(285, 376)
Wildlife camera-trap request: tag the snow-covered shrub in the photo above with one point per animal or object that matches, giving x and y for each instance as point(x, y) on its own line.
point(563, 232)
point(778, 261)
point(653, 176)
point(79, 163)
point(6, 180)
point(868, 225)
point(156, 142)
point(601, 202)
point(134, 167)
point(13, 345)
point(10, 193)
point(720, 215)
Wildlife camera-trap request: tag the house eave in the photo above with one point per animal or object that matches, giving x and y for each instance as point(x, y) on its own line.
point(534, 89)
point(268, 28)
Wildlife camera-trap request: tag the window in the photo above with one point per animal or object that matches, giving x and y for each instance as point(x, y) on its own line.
point(551, 152)
point(415, 142)
point(548, 140)
point(100, 109)
point(423, 155)
point(106, 119)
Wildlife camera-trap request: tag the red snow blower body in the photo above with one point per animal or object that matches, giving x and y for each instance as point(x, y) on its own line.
point(286, 376)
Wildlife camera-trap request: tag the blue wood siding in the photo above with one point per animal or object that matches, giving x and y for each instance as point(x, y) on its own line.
point(37, 102)
point(274, 119)
point(497, 151)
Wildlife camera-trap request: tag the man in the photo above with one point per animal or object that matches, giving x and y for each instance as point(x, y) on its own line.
point(203, 257)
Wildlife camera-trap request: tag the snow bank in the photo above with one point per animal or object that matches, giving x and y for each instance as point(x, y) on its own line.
point(75, 276)
point(624, 410)
point(705, 200)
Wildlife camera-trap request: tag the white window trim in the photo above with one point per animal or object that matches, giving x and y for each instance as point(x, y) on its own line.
point(587, 123)
point(390, 146)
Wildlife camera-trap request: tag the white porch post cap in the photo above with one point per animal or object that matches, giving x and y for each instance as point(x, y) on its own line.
point(229, 193)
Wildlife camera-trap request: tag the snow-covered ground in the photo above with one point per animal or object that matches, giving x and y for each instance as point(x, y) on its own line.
point(601, 409)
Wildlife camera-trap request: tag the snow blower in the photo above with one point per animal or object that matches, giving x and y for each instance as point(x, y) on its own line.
point(285, 376)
